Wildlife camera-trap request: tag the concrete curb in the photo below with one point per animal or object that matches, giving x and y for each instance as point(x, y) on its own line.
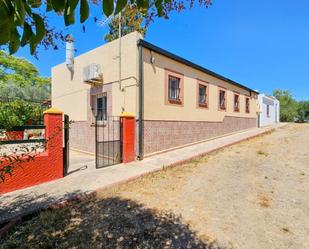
point(86, 195)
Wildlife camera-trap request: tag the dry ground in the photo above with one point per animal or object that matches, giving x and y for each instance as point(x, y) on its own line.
point(253, 195)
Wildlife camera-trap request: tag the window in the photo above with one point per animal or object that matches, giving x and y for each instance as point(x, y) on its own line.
point(236, 103)
point(222, 99)
point(101, 108)
point(202, 95)
point(267, 110)
point(174, 88)
point(247, 105)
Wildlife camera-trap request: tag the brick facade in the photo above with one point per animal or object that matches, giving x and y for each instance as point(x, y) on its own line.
point(159, 135)
point(163, 135)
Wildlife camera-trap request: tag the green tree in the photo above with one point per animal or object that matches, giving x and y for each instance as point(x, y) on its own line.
point(25, 22)
point(303, 111)
point(20, 79)
point(131, 20)
point(288, 105)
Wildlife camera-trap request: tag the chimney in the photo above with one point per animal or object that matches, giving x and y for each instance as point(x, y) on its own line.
point(69, 52)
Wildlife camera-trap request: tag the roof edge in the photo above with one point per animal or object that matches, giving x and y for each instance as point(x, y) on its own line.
point(166, 53)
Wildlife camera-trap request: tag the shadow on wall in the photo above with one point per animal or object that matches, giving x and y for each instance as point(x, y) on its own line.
point(107, 223)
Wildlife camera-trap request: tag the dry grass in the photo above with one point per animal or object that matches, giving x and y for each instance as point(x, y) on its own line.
point(262, 153)
point(285, 230)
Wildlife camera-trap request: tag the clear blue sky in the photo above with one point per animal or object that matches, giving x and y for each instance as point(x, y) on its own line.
point(262, 44)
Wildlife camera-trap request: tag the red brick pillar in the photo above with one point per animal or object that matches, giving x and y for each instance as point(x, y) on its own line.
point(128, 137)
point(54, 136)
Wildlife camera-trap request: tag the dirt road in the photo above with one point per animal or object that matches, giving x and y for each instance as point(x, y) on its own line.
point(252, 195)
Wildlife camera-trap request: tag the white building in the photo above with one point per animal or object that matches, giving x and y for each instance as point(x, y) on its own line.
point(269, 110)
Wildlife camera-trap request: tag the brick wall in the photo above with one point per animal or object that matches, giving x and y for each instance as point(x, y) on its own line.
point(163, 135)
point(45, 166)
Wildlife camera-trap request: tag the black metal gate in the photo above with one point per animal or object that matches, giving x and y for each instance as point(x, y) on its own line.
point(66, 145)
point(108, 148)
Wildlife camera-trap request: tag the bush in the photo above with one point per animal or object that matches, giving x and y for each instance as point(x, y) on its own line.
point(18, 113)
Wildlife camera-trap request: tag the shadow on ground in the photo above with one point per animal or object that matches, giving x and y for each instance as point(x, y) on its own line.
point(106, 223)
point(23, 204)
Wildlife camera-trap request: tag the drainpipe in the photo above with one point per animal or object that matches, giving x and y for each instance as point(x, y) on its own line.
point(140, 102)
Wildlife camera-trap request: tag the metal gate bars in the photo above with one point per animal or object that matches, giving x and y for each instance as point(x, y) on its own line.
point(108, 144)
point(66, 145)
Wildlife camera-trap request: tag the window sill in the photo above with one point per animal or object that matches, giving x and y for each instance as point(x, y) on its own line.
point(203, 105)
point(175, 101)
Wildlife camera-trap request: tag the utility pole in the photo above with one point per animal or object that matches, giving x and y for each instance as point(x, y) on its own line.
point(119, 55)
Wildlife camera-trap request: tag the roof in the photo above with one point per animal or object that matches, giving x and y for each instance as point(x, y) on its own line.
point(175, 57)
point(268, 96)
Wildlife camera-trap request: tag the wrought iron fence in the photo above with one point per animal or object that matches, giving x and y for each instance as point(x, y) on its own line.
point(108, 141)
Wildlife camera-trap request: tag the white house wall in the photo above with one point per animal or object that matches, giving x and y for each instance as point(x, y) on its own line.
point(274, 110)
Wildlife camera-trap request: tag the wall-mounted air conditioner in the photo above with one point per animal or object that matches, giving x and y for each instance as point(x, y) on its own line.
point(93, 74)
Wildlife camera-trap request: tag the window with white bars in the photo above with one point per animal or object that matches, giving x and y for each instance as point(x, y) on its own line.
point(236, 102)
point(222, 99)
point(202, 95)
point(101, 108)
point(173, 88)
point(247, 105)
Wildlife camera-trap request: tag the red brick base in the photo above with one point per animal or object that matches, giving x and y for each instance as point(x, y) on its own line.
point(162, 135)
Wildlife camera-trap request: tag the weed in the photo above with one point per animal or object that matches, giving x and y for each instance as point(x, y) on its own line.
point(262, 153)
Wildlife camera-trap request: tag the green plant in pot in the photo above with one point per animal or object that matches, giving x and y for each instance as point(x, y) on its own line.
point(15, 114)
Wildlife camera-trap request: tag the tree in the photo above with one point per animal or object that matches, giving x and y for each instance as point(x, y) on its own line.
point(25, 22)
point(288, 105)
point(20, 79)
point(303, 111)
point(131, 20)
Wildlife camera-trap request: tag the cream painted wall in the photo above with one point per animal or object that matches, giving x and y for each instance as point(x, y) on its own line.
point(154, 93)
point(71, 95)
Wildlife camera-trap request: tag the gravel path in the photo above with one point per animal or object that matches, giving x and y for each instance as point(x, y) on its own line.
point(251, 195)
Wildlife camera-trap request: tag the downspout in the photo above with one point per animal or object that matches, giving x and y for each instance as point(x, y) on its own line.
point(140, 102)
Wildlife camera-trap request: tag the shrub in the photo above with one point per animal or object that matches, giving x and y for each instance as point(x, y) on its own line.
point(18, 113)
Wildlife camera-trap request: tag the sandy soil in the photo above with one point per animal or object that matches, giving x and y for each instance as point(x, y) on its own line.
point(252, 195)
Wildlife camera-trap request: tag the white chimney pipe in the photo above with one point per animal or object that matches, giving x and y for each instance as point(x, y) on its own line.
point(69, 52)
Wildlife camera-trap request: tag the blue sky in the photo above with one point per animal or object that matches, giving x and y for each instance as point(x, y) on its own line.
point(262, 44)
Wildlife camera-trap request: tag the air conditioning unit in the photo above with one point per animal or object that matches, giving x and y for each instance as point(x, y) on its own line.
point(93, 74)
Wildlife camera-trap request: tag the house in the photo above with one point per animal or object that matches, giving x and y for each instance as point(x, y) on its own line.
point(269, 112)
point(175, 102)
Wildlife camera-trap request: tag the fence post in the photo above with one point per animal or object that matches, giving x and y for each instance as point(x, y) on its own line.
point(128, 137)
point(53, 135)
